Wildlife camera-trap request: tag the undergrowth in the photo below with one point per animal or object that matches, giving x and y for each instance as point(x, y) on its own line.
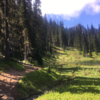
point(7, 64)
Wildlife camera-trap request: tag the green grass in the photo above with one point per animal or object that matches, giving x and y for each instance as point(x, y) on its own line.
point(3, 65)
point(26, 62)
point(6, 65)
point(16, 65)
point(83, 87)
point(37, 82)
point(33, 63)
point(85, 83)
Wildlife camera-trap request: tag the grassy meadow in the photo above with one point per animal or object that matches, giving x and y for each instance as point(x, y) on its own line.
point(67, 76)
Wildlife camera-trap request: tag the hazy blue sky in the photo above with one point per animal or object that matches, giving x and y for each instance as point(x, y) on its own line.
point(73, 12)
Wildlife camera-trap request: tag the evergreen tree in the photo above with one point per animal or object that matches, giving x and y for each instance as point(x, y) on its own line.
point(84, 50)
point(90, 43)
point(7, 53)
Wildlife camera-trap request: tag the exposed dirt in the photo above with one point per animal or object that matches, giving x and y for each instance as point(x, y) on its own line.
point(9, 80)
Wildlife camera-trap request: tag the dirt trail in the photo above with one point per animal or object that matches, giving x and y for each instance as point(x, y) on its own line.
point(9, 80)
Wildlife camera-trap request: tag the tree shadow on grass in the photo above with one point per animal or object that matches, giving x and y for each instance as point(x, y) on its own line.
point(91, 62)
point(62, 53)
point(80, 85)
point(88, 63)
point(56, 48)
point(59, 53)
point(66, 68)
point(70, 69)
point(36, 82)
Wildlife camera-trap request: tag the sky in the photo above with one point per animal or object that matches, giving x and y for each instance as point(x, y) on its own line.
point(72, 12)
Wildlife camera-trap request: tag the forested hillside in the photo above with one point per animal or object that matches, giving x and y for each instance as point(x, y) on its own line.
point(25, 34)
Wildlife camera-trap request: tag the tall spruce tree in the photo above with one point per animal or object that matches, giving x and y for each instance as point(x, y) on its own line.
point(7, 53)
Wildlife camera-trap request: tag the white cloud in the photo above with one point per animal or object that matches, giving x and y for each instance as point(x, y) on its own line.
point(93, 8)
point(33, 1)
point(67, 17)
point(69, 8)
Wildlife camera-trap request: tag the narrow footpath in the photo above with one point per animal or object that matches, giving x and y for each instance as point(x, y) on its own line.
point(9, 80)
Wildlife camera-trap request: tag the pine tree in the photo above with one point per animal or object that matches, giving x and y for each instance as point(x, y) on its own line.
point(84, 50)
point(7, 53)
point(1, 35)
point(90, 42)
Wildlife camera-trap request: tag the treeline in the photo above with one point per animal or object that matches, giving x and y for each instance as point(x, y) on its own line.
point(86, 40)
point(25, 33)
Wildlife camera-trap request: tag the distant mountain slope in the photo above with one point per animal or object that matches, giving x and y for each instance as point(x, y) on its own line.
point(83, 28)
point(77, 26)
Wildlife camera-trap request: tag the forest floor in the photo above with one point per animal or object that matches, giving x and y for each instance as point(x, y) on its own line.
point(71, 75)
point(9, 80)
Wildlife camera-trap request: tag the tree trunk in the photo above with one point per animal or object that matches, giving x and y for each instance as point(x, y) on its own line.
point(86, 52)
point(7, 54)
point(25, 47)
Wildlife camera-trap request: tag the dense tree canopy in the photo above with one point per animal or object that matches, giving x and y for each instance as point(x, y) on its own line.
point(25, 33)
